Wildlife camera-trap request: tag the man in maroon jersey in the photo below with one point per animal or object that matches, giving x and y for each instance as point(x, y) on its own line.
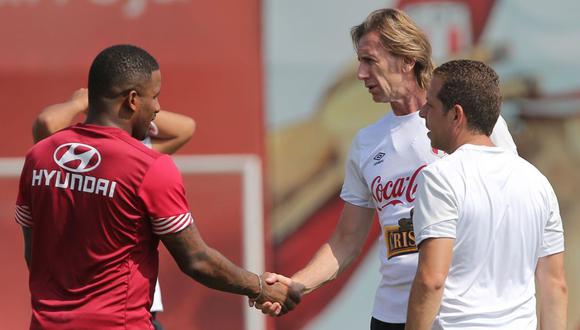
point(94, 203)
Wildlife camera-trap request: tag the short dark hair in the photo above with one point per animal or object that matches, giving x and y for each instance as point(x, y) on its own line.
point(475, 86)
point(119, 68)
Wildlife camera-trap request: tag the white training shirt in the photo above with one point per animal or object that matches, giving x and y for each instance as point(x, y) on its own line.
point(381, 171)
point(503, 214)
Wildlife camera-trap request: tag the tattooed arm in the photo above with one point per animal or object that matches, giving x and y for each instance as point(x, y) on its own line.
point(209, 267)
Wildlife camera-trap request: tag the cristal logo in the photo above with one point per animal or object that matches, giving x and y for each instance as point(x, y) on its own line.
point(77, 157)
point(395, 191)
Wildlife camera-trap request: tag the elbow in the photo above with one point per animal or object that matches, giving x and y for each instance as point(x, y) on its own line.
point(433, 282)
point(41, 128)
point(189, 128)
point(561, 287)
point(345, 249)
point(184, 134)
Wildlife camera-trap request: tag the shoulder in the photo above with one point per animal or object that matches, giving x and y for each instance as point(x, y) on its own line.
point(370, 134)
point(447, 169)
point(163, 168)
point(47, 144)
point(162, 174)
point(530, 171)
point(501, 136)
point(440, 165)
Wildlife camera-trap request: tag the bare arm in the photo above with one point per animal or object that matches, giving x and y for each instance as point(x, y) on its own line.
point(435, 255)
point(174, 131)
point(58, 116)
point(338, 253)
point(27, 235)
point(212, 269)
point(553, 291)
point(330, 260)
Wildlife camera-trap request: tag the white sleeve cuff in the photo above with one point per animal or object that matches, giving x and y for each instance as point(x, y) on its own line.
point(23, 216)
point(171, 225)
point(443, 229)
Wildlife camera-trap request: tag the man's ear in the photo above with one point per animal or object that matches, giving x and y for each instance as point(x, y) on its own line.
point(130, 105)
point(457, 115)
point(132, 100)
point(408, 64)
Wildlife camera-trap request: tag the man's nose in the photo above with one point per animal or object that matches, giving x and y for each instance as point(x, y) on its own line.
point(362, 72)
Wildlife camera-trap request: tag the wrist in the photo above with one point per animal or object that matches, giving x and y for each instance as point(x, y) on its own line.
point(79, 105)
point(300, 285)
point(257, 294)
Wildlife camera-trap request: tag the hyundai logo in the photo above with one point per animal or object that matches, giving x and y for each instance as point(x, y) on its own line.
point(77, 157)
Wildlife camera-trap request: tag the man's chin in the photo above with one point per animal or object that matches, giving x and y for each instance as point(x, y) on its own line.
point(380, 99)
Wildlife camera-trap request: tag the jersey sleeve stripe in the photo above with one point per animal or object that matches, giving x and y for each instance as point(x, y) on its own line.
point(169, 227)
point(23, 211)
point(180, 223)
point(159, 222)
point(186, 221)
point(170, 222)
point(22, 221)
point(177, 227)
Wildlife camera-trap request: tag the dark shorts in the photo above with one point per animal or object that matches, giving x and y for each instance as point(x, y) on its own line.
point(380, 325)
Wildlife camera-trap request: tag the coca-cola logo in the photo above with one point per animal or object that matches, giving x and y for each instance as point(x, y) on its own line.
point(395, 191)
point(77, 157)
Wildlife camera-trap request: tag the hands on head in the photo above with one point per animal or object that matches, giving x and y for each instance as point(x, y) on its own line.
point(279, 295)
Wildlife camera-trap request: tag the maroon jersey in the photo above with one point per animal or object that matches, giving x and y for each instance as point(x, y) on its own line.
point(97, 201)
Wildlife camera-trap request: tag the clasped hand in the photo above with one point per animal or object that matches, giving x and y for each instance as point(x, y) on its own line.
point(279, 295)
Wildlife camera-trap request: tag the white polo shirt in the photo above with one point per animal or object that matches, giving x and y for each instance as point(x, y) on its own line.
point(504, 215)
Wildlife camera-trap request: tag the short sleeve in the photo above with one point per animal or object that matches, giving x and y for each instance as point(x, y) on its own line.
point(163, 194)
point(23, 214)
point(553, 235)
point(354, 189)
point(436, 212)
point(501, 136)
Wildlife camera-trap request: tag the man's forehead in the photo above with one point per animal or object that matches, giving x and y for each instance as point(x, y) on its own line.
point(156, 80)
point(369, 42)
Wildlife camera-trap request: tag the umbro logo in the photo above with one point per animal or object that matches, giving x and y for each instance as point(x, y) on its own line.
point(379, 158)
point(77, 157)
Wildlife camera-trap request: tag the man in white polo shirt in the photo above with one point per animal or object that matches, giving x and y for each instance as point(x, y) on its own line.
point(487, 223)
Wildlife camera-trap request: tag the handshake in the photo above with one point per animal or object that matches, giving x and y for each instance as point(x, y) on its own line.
point(278, 294)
